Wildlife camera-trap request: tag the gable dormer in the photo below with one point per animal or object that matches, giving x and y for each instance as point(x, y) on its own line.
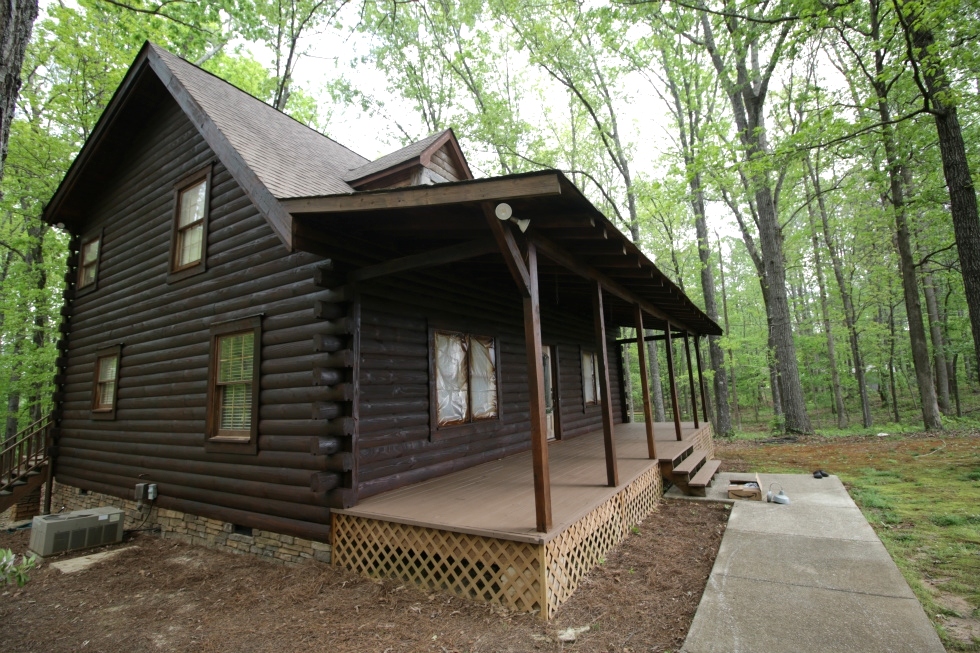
point(435, 159)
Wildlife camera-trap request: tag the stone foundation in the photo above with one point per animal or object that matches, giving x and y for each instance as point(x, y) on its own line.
point(196, 530)
point(27, 508)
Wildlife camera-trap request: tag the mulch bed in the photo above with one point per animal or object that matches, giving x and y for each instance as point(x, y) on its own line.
point(161, 595)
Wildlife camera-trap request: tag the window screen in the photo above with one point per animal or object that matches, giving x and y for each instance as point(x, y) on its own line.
point(106, 386)
point(235, 357)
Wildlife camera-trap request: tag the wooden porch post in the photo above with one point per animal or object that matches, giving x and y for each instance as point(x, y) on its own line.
point(673, 384)
point(526, 277)
point(645, 383)
point(535, 383)
point(690, 380)
point(612, 473)
point(704, 399)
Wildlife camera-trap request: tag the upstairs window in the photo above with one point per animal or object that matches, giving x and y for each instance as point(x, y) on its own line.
point(465, 378)
point(105, 384)
point(189, 239)
point(88, 261)
point(233, 388)
point(590, 378)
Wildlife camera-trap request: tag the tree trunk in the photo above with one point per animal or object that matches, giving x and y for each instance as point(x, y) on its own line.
point(954, 385)
point(731, 356)
point(16, 23)
point(910, 284)
point(35, 265)
point(13, 407)
point(891, 364)
point(722, 418)
point(850, 315)
point(655, 386)
point(956, 169)
point(747, 93)
point(938, 347)
point(825, 314)
point(628, 383)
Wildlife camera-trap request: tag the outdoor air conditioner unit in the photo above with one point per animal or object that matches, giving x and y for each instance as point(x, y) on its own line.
point(82, 529)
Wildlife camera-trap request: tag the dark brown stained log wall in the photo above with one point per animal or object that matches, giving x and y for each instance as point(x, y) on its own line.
point(158, 433)
point(394, 447)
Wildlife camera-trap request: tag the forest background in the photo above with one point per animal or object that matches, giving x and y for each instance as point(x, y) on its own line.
point(800, 168)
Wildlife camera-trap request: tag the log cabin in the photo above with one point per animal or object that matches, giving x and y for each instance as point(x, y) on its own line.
point(419, 367)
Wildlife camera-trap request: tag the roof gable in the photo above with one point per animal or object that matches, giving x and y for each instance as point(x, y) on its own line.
point(268, 153)
point(436, 158)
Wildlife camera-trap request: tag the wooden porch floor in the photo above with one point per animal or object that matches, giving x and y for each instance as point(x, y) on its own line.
point(496, 499)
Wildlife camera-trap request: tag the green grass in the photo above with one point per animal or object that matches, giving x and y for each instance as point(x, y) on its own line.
point(921, 495)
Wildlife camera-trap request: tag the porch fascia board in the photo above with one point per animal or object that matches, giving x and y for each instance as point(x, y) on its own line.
point(535, 185)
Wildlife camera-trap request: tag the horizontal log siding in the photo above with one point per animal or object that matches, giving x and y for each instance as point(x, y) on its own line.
point(158, 433)
point(394, 447)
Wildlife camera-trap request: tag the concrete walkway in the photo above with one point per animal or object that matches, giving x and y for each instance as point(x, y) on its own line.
point(810, 576)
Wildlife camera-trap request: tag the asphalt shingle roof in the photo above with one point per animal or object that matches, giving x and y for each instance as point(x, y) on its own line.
point(407, 153)
point(289, 158)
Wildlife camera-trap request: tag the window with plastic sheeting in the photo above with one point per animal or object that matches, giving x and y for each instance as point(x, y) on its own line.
point(590, 378)
point(233, 383)
point(465, 378)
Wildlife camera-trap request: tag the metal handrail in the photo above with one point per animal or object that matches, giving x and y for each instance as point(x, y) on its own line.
point(24, 453)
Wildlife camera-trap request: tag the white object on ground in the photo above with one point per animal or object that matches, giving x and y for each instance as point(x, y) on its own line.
point(570, 634)
point(84, 562)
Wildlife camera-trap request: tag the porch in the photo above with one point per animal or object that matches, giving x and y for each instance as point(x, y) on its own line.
point(474, 532)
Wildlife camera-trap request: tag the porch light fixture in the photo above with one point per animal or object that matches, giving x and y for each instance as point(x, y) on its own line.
point(504, 213)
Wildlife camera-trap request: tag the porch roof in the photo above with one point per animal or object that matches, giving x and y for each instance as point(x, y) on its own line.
point(432, 225)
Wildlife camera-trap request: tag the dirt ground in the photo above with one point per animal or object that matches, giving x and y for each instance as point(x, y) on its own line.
point(160, 595)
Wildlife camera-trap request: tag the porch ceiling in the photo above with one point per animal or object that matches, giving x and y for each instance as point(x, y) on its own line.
point(396, 223)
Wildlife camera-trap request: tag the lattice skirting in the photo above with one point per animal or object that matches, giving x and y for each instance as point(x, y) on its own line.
point(530, 577)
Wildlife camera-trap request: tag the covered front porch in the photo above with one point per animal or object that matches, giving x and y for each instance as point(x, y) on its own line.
point(474, 532)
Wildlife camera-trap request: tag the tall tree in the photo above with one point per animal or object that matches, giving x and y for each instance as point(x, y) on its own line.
point(745, 79)
point(16, 22)
point(928, 60)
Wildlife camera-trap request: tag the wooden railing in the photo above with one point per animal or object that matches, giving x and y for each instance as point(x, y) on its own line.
point(24, 453)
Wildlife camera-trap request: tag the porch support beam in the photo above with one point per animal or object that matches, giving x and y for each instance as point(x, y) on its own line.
point(673, 387)
point(428, 259)
point(602, 351)
point(535, 381)
point(645, 387)
point(510, 249)
point(690, 380)
point(566, 259)
point(704, 399)
point(630, 341)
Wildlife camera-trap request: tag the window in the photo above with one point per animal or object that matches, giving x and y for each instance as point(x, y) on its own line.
point(465, 378)
point(590, 378)
point(233, 388)
point(105, 383)
point(189, 239)
point(88, 261)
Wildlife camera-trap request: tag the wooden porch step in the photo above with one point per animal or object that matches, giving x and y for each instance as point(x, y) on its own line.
point(704, 476)
point(690, 464)
point(673, 451)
